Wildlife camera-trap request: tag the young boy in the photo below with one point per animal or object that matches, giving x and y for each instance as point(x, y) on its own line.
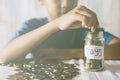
point(64, 28)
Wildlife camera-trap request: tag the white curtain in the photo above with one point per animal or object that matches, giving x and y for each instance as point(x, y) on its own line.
point(14, 12)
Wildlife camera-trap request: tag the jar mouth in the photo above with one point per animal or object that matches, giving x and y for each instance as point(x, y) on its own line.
point(94, 35)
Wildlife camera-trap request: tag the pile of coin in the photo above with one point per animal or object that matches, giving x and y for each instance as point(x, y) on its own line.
point(35, 70)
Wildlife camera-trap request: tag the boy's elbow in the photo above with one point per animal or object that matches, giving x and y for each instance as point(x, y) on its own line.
point(2, 61)
point(3, 58)
point(114, 41)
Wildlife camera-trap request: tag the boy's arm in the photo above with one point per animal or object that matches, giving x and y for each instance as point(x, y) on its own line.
point(20, 46)
point(112, 51)
point(23, 44)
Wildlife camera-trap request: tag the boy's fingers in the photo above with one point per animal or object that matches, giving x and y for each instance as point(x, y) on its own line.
point(85, 21)
point(82, 17)
point(87, 18)
point(81, 7)
point(83, 12)
point(94, 27)
point(90, 18)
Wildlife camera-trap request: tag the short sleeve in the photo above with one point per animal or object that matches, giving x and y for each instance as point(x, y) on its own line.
point(107, 36)
point(29, 26)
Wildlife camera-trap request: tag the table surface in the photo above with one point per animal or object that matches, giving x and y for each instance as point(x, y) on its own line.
point(111, 72)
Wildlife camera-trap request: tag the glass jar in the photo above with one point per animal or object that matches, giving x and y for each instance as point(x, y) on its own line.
point(94, 51)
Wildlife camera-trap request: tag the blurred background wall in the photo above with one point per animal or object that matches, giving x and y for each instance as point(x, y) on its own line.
point(14, 12)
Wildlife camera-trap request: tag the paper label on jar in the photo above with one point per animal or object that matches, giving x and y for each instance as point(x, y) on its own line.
point(94, 52)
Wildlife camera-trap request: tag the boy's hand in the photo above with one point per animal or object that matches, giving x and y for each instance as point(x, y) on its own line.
point(77, 18)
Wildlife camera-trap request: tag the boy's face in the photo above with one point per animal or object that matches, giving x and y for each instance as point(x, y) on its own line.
point(56, 8)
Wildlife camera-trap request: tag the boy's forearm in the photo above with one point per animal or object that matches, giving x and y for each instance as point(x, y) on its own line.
point(112, 51)
point(23, 44)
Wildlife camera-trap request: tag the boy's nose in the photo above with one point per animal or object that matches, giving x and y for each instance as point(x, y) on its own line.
point(64, 3)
